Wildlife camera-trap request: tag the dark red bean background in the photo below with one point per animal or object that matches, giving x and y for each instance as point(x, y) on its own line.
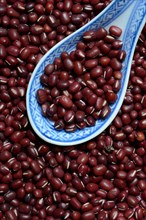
point(104, 178)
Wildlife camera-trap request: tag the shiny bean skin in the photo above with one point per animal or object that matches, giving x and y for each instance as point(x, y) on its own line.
point(82, 197)
point(115, 31)
point(109, 205)
point(65, 102)
point(77, 19)
point(139, 213)
point(78, 68)
point(106, 184)
point(68, 5)
point(79, 116)
point(115, 64)
point(3, 188)
point(13, 34)
point(92, 53)
point(132, 201)
point(56, 182)
point(13, 50)
point(35, 167)
point(78, 184)
point(89, 64)
point(91, 84)
point(69, 116)
point(79, 53)
point(68, 64)
point(101, 33)
point(11, 215)
point(64, 17)
point(88, 215)
point(75, 203)
point(36, 29)
point(105, 112)
point(92, 187)
point(83, 158)
point(114, 214)
point(3, 52)
point(10, 195)
point(99, 170)
point(74, 87)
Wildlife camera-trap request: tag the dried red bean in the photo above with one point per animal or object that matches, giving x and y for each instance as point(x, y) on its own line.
point(68, 64)
point(132, 201)
point(56, 182)
point(105, 112)
point(17, 136)
point(77, 19)
point(74, 87)
point(92, 53)
point(115, 31)
point(114, 214)
point(108, 205)
point(41, 96)
point(75, 203)
point(3, 52)
point(10, 195)
point(78, 68)
point(11, 215)
point(99, 170)
point(78, 184)
point(88, 215)
point(111, 97)
point(65, 101)
point(3, 187)
point(106, 184)
point(138, 213)
point(82, 197)
point(142, 185)
point(113, 193)
point(35, 167)
point(115, 64)
point(82, 159)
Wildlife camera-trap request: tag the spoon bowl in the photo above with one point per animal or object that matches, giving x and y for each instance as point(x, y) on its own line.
point(130, 16)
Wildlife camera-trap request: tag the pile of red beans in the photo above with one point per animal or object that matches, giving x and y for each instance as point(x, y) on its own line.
point(104, 178)
point(78, 87)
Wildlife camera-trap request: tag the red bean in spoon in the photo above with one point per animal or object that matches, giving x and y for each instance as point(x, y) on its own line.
point(94, 65)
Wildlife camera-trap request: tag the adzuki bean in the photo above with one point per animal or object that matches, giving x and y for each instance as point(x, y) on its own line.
point(41, 181)
point(87, 75)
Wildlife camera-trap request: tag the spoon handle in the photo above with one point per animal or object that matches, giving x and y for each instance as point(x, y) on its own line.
point(130, 15)
point(119, 10)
